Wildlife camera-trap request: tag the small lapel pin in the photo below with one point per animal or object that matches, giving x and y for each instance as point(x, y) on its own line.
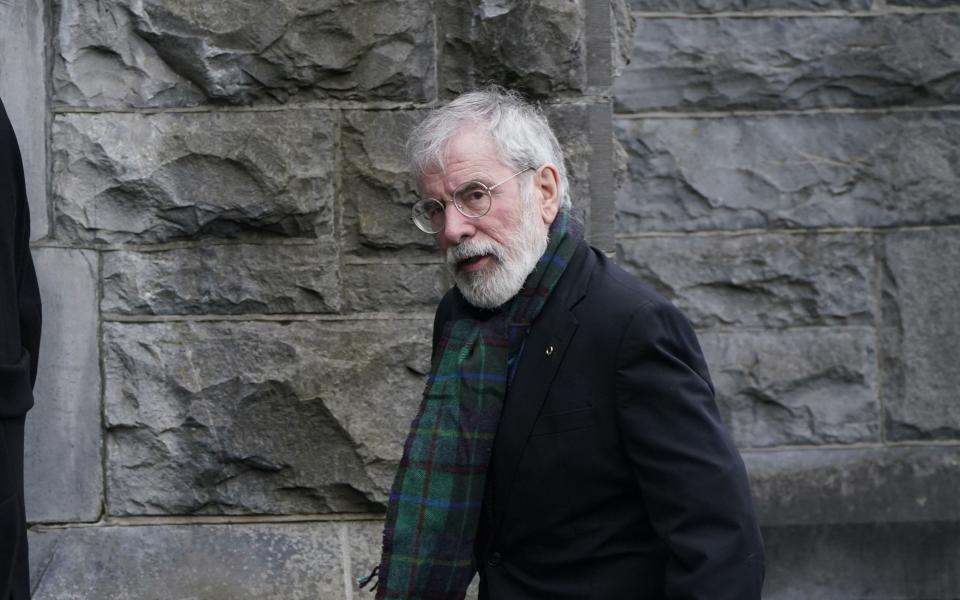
point(549, 350)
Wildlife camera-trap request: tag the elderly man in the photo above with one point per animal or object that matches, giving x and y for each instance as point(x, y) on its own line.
point(19, 345)
point(568, 444)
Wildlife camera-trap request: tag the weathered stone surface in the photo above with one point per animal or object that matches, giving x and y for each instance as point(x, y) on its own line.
point(394, 286)
point(923, 3)
point(869, 561)
point(117, 53)
point(857, 485)
point(379, 189)
point(377, 186)
point(259, 417)
point(790, 171)
point(22, 76)
point(223, 279)
point(295, 561)
point(804, 62)
point(365, 539)
point(62, 464)
point(921, 387)
point(796, 386)
point(154, 178)
point(715, 6)
point(570, 123)
point(760, 280)
point(621, 33)
point(535, 47)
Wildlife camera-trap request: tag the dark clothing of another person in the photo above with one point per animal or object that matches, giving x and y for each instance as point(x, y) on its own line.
point(19, 346)
point(612, 475)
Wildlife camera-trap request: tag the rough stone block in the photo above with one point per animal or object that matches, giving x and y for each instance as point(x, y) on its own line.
point(760, 280)
point(793, 63)
point(223, 279)
point(259, 417)
point(154, 178)
point(869, 561)
point(294, 561)
point(715, 6)
point(62, 463)
point(796, 386)
point(394, 286)
point(536, 47)
point(119, 53)
point(790, 171)
point(570, 123)
point(22, 77)
point(856, 485)
point(921, 387)
point(378, 188)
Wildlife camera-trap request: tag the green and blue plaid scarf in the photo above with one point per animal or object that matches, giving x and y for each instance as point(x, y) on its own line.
point(435, 502)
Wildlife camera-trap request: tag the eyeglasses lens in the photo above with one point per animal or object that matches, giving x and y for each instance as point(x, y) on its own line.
point(473, 199)
point(428, 215)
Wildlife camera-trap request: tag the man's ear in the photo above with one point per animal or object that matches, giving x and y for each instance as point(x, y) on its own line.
point(547, 182)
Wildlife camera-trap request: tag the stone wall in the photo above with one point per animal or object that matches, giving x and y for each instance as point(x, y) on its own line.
point(237, 311)
point(792, 176)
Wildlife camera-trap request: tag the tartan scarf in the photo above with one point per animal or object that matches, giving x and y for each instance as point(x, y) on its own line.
point(434, 506)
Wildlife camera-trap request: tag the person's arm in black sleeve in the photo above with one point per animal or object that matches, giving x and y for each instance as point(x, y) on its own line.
point(19, 295)
point(691, 477)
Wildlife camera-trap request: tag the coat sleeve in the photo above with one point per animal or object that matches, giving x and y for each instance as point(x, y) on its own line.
point(19, 295)
point(691, 477)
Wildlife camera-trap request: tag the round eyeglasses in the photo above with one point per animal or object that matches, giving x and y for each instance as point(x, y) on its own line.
point(473, 199)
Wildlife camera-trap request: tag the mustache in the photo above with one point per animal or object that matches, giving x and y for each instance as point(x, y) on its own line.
point(472, 248)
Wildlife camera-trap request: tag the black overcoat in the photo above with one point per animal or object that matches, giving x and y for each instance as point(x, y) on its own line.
point(19, 347)
point(612, 475)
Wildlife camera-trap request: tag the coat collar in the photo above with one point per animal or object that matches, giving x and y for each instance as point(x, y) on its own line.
point(543, 353)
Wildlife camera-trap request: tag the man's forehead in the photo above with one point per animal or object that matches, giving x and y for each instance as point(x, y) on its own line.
point(471, 154)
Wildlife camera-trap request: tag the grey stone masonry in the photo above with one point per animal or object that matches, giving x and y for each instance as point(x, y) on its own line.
point(238, 309)
point(855, 485)
point(64, 439)
point(294, 561)
point(748, 63)
point(155, 178)
point(538, 47)
point(179, 53)
point(748, 6)
point(23, 89)
point(258, 417)
point(920, 334)
point(223, 279)
point(760, 280)
point(796, 386)
point(770, 171)
point(880, 561)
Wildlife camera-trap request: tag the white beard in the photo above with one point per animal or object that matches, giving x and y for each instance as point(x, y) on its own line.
point(493, 287)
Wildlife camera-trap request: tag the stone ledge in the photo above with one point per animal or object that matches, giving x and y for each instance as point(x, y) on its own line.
point(295, 561)
point(829, 487)
point(867, 561)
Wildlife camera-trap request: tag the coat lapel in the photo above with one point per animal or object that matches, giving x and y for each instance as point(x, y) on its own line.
point(543, 353)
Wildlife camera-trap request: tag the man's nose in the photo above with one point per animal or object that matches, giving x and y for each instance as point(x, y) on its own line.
point(456, 227)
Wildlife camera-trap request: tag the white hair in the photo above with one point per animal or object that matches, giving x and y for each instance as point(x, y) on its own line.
point(519, 130)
